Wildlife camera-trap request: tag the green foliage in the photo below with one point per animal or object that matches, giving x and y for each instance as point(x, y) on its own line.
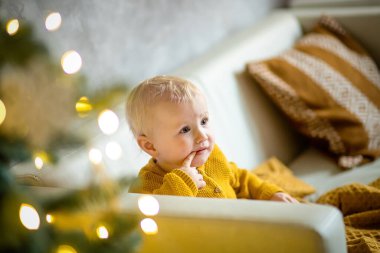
point(14, 237)
point(12, 150)
point(16, 50)
point(20, 51)
point(19, 48)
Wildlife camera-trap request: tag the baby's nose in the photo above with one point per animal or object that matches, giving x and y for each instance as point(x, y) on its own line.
point(202, 136)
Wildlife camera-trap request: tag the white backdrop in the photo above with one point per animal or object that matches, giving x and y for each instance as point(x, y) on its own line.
point(130, 40)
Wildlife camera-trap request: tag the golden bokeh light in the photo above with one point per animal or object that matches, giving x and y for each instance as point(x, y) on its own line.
point(40, 158)
point(149, 226)
point(83, 106)
point(49, 218)
point(148, 205)
point(102, 232)
point(95, 156)
point(3, 112)
point(38, 162)
point(113, 150)
point(53, 21)
point(13, 26)
point(71, 62)
point(108, 122)
point(65, 249)
point(29, 217)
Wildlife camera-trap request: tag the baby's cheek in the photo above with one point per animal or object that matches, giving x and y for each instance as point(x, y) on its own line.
point(185, 147)
point(211, 138)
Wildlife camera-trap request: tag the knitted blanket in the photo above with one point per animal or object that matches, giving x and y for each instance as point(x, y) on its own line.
point(360, 206)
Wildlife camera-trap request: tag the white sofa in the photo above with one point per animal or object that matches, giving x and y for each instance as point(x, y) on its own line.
point(249, 129)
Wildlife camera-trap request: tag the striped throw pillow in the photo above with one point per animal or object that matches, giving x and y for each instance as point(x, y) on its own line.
point(329, 87)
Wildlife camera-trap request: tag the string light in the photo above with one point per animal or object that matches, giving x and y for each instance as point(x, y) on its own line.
point(71, 62)
point(12, 26)
point(108, 122)
point(53, 21)
point(95, 156)
point(38, 163)
point(29, 217)
point(102, 232)
point(49, 218)
point(149, 226)
point(66, 249)
point(148, 205)
point(3, 112)
point(83, 106)
point(40, 158)
point(113, 150)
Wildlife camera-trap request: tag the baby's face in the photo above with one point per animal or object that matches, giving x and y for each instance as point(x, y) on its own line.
point(180, 129)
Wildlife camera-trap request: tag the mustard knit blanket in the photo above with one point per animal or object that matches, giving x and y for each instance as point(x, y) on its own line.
point(360, 206)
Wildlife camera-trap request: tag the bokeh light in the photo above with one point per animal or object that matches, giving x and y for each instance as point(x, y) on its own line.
point(53, 21)
point(71, 62)
point(29, 217)
point(40, 158)
point(38, 162)
point(148, 205)
point(108, 122)
point(49, 218)
point(149, 226)
point(3, 112)
point(102, 232)
point(83, 106)
point(113, 150)
point(95, 156)
point(66, 249)
point(13, 26)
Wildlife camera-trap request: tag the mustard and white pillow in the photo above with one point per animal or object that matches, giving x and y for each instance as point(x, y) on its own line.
point(329, 87)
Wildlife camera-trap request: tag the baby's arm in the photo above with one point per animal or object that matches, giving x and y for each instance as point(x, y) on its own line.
point(247, 185)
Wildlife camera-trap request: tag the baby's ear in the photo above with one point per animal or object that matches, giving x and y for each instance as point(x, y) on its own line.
point(146, 145)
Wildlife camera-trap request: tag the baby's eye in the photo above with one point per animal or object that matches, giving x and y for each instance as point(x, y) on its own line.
point(204, 121)
point(184, 130)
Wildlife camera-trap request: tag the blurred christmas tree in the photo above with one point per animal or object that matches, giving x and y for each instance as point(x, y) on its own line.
point(36, 111)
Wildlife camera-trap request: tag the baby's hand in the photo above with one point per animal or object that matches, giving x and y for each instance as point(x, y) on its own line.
point(284, 197)
point(192, 171)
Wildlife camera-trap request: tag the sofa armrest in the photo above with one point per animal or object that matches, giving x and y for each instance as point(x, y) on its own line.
point(224, 225)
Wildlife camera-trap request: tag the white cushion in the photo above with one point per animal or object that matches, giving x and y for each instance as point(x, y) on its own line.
point(319, 170)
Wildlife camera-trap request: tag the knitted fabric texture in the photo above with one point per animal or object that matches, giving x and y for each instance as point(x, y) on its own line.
point(360, 206)
point(329, 88)
point(223, 180)
point(274, 171)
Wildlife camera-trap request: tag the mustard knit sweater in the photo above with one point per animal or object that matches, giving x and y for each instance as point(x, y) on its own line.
point(223, 180)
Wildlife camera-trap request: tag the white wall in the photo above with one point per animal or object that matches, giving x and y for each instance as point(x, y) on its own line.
point(130, 40)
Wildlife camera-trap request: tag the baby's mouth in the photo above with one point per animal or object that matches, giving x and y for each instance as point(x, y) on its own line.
point(201, 150)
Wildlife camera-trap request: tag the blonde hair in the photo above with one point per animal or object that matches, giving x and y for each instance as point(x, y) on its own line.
point(144, 96)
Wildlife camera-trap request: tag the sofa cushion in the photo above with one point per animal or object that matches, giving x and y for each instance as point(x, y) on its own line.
point(330, 89)
point(315, 168)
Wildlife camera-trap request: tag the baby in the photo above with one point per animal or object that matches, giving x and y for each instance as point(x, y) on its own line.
point(170, 120)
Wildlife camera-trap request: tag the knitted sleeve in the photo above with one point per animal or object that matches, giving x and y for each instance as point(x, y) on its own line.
point(249, 186)
point(175, 182)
